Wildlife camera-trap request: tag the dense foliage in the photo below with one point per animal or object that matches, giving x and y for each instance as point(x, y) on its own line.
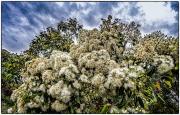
point(112, 69)
point(11, 65)
point(58, 38)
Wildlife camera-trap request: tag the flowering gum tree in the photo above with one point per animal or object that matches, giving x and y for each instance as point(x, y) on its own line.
point(101, 75)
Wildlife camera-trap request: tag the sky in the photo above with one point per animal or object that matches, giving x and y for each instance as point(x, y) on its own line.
point(21, 21)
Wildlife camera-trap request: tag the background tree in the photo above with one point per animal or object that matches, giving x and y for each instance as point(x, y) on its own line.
point(59, 38)
point(69, 28)
point(125, 32)
point(46, 42)
point(11, 65)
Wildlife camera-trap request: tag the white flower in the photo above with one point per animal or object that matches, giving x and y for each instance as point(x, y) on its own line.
point(104, 55)
point(97, 79)
point(47, 76)
point(82, 106)
point(62, 71)
point(41, 66)
point(39, 99)
point(123, 110)
point(69, 75)
point(130, 84)
point(77, 85)
point(58, 106)
point(132, 74)
point(32, 105)
point(84, 78)
point(166, 64)
point(118, 72)
point(143, 111)
point(140, 69)
point(10, 110)
point(73, 68)
point(112, 64)
point(21, 110)
point(36, 98)
point(102, 89)
point(108, 82)
point(42, 88)
point(60, 59)
point(115, 78)
point(65, 94)
point(125, 69)
point(132, 67)
point(33, 83)
point(55, 90)
point(113, 82)
point(126, 79)
point(63, 55)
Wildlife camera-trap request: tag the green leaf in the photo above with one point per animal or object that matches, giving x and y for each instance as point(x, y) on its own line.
point(168, 83)
point(154, 99)
point(123, 102)
point(105, 108)
point(72, 110)
point(161, 98)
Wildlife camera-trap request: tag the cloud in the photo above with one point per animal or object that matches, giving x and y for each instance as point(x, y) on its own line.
point(21, 21)
point(158, 16)
point(124, 12)
point(156, 11)
point(21, 25)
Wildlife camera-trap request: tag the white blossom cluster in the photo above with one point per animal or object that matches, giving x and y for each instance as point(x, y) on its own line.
point(59, 78)
point(164, 63)
point(94, 40)
point(46, 77)
point(127, 110)
point(125, 76)
point(96, 62)
point(91, 71)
